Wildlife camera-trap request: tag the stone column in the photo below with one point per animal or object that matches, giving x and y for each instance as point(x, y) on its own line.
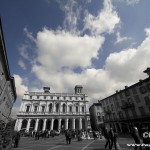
point(59, 124)
point(19, 124)
point(16, 125)
point(66, 124)
point(80, 123)
point(52, 123)
point(28, 125)
point(36, 125)
point(73, 123)
point(44, 125)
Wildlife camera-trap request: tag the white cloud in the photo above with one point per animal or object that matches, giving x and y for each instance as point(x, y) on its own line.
point(14, 112)
point(20, 87)
point(22, 64)
point(23, 51)
point(121, 39)
point(72, 14)
point(68, 49)
point(132, 2)
point(105, 22)
point(29, 35)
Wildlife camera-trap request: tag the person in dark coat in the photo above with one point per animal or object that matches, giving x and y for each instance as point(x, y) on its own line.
point(111, 136)
point(106, 135)
point(136, 136)
point(16, 139)
point(68, 135)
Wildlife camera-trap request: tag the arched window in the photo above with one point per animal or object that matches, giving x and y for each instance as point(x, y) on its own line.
point(50, 107)
point(27, 108)
point(57, 107)
point(64, 108)
point(70, 109)
point(35, 108)
point(43, 108)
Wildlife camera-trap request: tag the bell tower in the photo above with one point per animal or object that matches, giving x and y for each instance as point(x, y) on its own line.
point(78, 89)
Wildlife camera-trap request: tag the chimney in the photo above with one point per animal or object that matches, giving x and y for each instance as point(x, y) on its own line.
point(147, 71)
point(46, 89)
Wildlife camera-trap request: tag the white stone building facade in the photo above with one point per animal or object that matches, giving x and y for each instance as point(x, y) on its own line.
point(53, 111)
point(7, 83)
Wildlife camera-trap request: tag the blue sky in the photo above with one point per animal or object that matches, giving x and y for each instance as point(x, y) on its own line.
point(100, 44)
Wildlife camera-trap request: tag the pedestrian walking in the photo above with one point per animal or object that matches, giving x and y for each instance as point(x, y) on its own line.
point(106, 136)
point(136, 137)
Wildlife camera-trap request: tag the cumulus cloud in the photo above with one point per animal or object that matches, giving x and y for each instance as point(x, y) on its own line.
point(20, 86)
point(105, 22)
point(69, 50)
point(127, 66)
point(121, 68)
point(22, 64)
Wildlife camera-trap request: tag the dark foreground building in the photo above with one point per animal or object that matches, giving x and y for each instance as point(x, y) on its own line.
point(129, 106)
point(96, 116)
point(7, 83)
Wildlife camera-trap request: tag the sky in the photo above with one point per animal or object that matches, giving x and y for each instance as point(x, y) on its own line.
point(103, 45)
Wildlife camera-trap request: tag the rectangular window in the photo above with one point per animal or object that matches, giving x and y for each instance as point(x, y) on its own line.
point(70, 109)
point(77, 109)
point(99, 118)
point(51, 97)
point(133, 112)
point(30, 97)
point(44, 97)
point(120, 95)
point(117, 104)
point(149, 108)
point(137, 99)
point(147, 100)
point(37, 97)
point(35, 108)
point(98, 113)
point(127, 92)
point(143, 89)
point(82, 109)
point(57, 98)
point(148, 86)
point(114, 116)
point(127, 114)
point(109, 100)
point(129, 100)
point(107, 107)
point(112, 107)
point(123, 102)
point(134, 91)
point(142, 111)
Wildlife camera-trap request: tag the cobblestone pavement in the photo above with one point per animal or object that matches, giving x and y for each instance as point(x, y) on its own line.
point(59, 143)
